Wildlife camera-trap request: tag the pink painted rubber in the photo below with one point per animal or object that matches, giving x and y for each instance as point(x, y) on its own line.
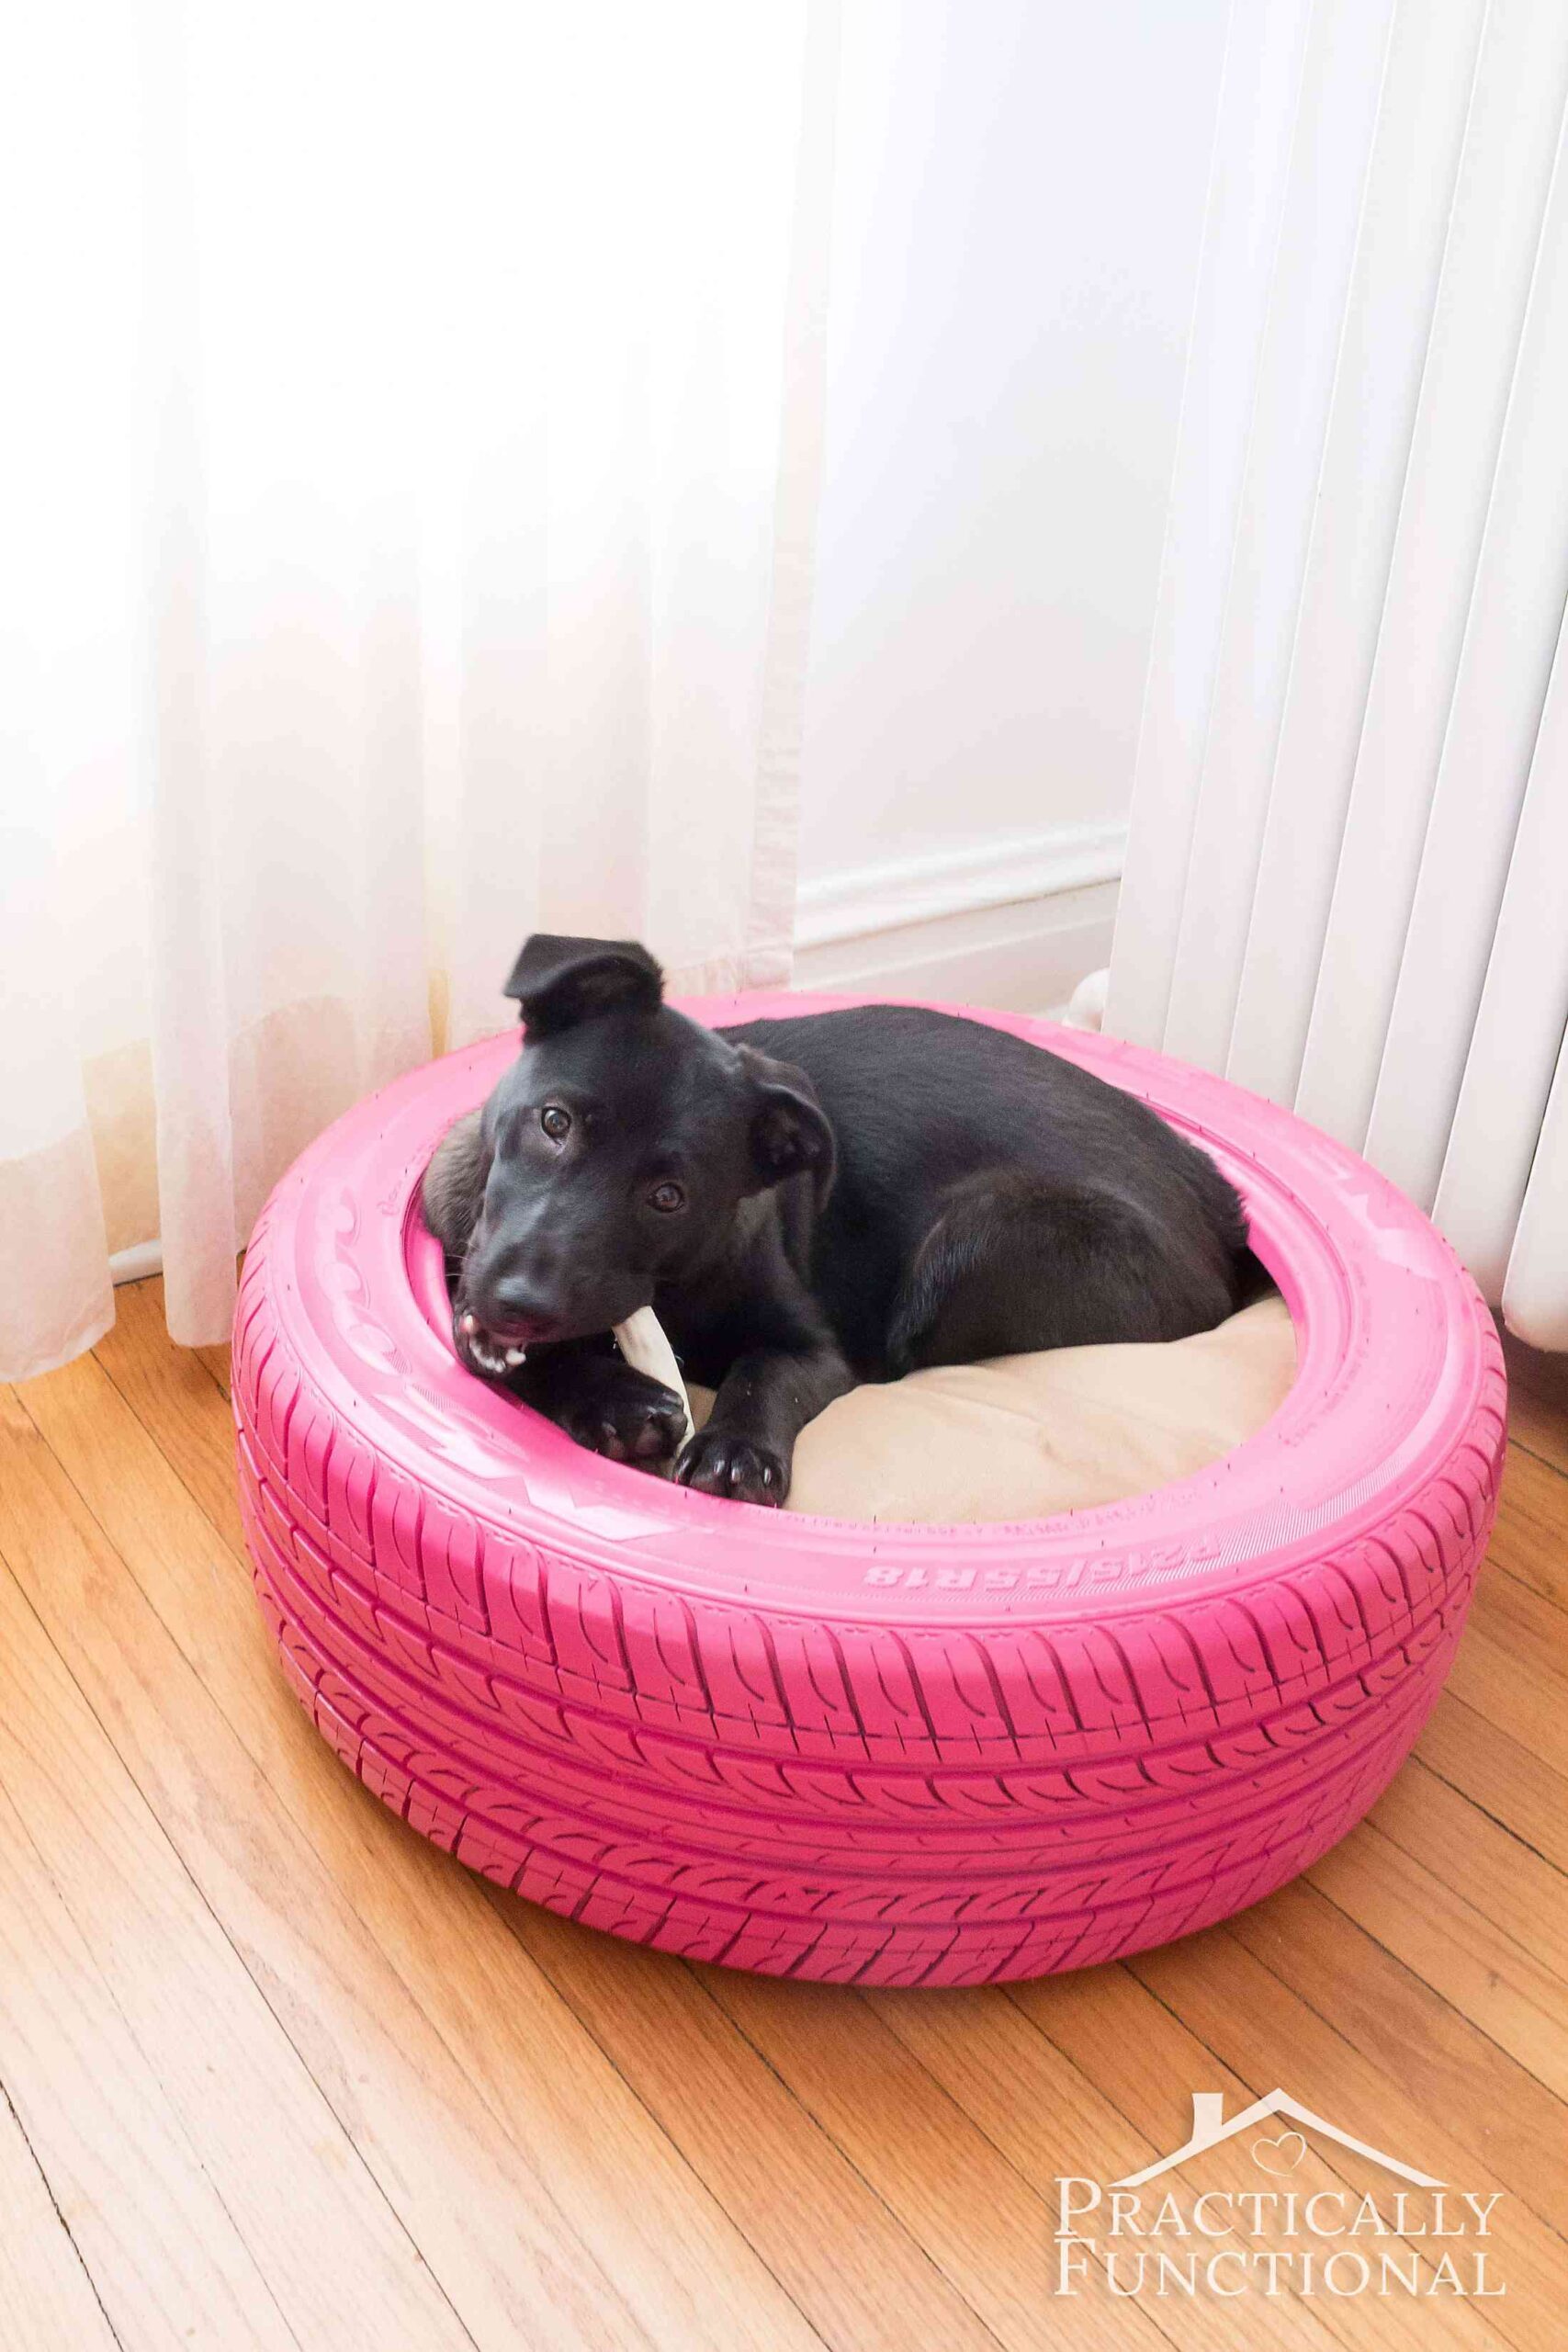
point(899, 1755)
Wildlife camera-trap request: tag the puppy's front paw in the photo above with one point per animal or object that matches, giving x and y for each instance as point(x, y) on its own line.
point(718, 1463)
point(634, 1419)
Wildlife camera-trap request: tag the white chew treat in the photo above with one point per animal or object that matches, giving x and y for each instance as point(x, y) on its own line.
point(642, 1342)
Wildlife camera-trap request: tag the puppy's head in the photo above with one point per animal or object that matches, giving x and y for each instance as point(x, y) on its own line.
point(615, 1155)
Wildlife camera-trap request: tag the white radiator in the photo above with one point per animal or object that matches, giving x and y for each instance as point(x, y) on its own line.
point(1346, 876)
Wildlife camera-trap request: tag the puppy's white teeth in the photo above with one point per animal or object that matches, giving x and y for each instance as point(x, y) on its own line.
point(517, 1355)
point(471, 1324)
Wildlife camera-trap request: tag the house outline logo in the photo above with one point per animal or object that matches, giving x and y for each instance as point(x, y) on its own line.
point(1153, 2233)
point(1210, 2130)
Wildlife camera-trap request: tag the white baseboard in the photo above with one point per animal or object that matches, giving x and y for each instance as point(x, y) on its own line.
point(134, 1265)
point(1015, 924)
point(1012, 870)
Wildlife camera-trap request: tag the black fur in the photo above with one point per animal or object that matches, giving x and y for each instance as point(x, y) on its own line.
point(862, 1193)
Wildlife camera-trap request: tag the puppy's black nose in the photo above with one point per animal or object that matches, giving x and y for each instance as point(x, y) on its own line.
point(514, 1308)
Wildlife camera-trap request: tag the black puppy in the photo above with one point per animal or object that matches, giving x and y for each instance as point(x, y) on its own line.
point(806, 1203)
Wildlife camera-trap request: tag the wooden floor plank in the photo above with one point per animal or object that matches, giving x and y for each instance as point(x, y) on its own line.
point(337, 2263)
point(489, 2116)
point(47, 2303)
point(1512, 1667)
point(1538, 1401)
point(471, 2206)
point(1479, 1858)
point(1447, 1941)
point(168, 2264)
point(933, 2168)
point(170, 1392)
point(1493, 2112)
point(741, 2124)
point(1528, 1539)
point(1498, 1774)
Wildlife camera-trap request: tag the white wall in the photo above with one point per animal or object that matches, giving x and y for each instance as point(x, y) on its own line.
point(1018, 213)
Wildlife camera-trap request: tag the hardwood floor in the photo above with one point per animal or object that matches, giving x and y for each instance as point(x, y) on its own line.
point(274, 2072)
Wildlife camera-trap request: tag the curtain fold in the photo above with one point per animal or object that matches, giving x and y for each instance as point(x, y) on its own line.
point(416, 452)
point(1346, 883)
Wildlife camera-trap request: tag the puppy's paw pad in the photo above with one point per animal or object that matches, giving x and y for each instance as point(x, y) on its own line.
point(732, 1467)
point(643, 1426)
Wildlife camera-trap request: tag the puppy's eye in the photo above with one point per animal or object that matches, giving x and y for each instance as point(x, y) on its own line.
point(668, 1197)
point(555, 1121)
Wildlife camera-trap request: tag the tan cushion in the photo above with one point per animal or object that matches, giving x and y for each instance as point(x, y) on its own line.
point(1023, 1437)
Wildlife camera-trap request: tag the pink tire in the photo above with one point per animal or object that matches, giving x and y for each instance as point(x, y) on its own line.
point(897, 1755)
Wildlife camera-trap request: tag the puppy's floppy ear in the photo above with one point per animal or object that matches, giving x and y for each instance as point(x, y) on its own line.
point(559, 982)
point(789, 1126)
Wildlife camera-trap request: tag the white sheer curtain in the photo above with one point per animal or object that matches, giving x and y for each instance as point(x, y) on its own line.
point(1346, 880)
point(410, 454)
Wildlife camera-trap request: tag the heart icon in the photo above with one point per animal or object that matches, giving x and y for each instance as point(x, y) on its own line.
point(1283, 2155)
point(1279, 2155)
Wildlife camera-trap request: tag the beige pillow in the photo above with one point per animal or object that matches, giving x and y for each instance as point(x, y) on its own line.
point(1023, 1437)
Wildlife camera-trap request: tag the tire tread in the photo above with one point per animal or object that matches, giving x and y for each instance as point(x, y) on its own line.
point(858, 1803)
